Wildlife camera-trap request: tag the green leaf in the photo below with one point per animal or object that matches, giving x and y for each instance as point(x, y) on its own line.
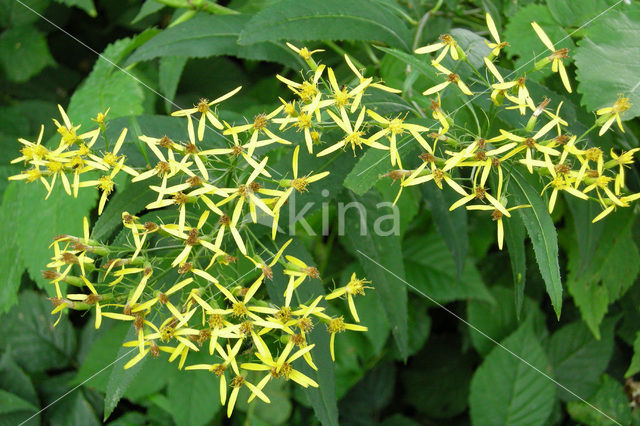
point(14, 380)
point(609, 273)
point(120, 379)
point(380, 255)
point(149, 7)
point(634, 366)
point(212, 35)
point(11, 259)
point(525, 46)
point(514, 236)
point(39, 221)
point(109, 86)
point(23, 53)
point(573, 14)
point(579, 359)
point(606, 60)
point(505, 390)
point(13, 13)
point(194, 396)
point(430, 268)
point(451, 225)
point(10, 403)
point(419, 65)
point(86, 5)
point(610, 398)
point(31, 339)
point(499, 319)
point(542, 233)
point(170, 71)
point(326, 20)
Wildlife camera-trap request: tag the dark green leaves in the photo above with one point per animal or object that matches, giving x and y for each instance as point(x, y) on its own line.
point(326, 20)
point(606, 60)
point(505, 390)
point(211, 35)
point(380, 255)
point(23, 52)
point(542, 233)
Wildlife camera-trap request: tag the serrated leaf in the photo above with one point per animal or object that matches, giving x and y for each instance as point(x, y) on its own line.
point(610, 399)
point(194, 396)
point(86, 5)
point(23, 52)
point(430, 268)
point(373, 249)
point(505, 390)
point(579, 359)
point(30, 338)
point(11, 261)
point(606, 60)
point(574, 14)
point(514, 236)
point(542, 233)
point(326, 20)
point(212, 35)
point(109, 86)
point(40, 221)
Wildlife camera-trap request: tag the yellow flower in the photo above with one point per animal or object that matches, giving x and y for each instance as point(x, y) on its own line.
point(529, 144)
point(621, 160)
point(192, 238)
point(438, 114)
point(258, 126)
point(204, 107)
point(555, 58)
point(447, 44)
point(392, 128)
point(612, 114)
point(497, 45)
point(342, 97)
point(32, 151)
point(303, 52)
point(354, 286)
point(298, 183)
point(451, 78)
point(298, 271)
point(337, 325)
point(361, 79)
point(105, 183)
point(354, 134)
point(306, 90)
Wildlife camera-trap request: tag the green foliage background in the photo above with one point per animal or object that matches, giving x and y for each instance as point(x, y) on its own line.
point(418, 364)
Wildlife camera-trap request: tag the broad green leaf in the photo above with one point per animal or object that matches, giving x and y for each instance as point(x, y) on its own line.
point(579, 359)
point(606, 63)
point(500, 319)
point(23, 53)
point(194, 396)
point(212, 35)
point(277, 412)
point(120, 379)
point(13, 379)
point(609, 273)
point(10, 403)
point(86, 5)
point(473, 45)
point(380, 255)
point(13, 13)
point(542, 233)
point(170, 71)
point(574, 14)
point(588, 234)
point(11, 259)
point(505, 390)
point(451, 225)
point(39, 221)
point(610, 399)
point(368, 169)
point(419, 64)
point(423, 379)
point(525, 46)
point(31, 339)
point(514, 237)
point(109, 86)
point(430, 269)
point(326, 20)
point(64, 407)
point(364, 401)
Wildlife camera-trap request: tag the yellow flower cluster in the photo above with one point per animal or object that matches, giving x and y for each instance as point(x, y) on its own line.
point(175, 277)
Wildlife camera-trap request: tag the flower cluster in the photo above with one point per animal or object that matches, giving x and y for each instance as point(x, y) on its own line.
point(174, 275)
